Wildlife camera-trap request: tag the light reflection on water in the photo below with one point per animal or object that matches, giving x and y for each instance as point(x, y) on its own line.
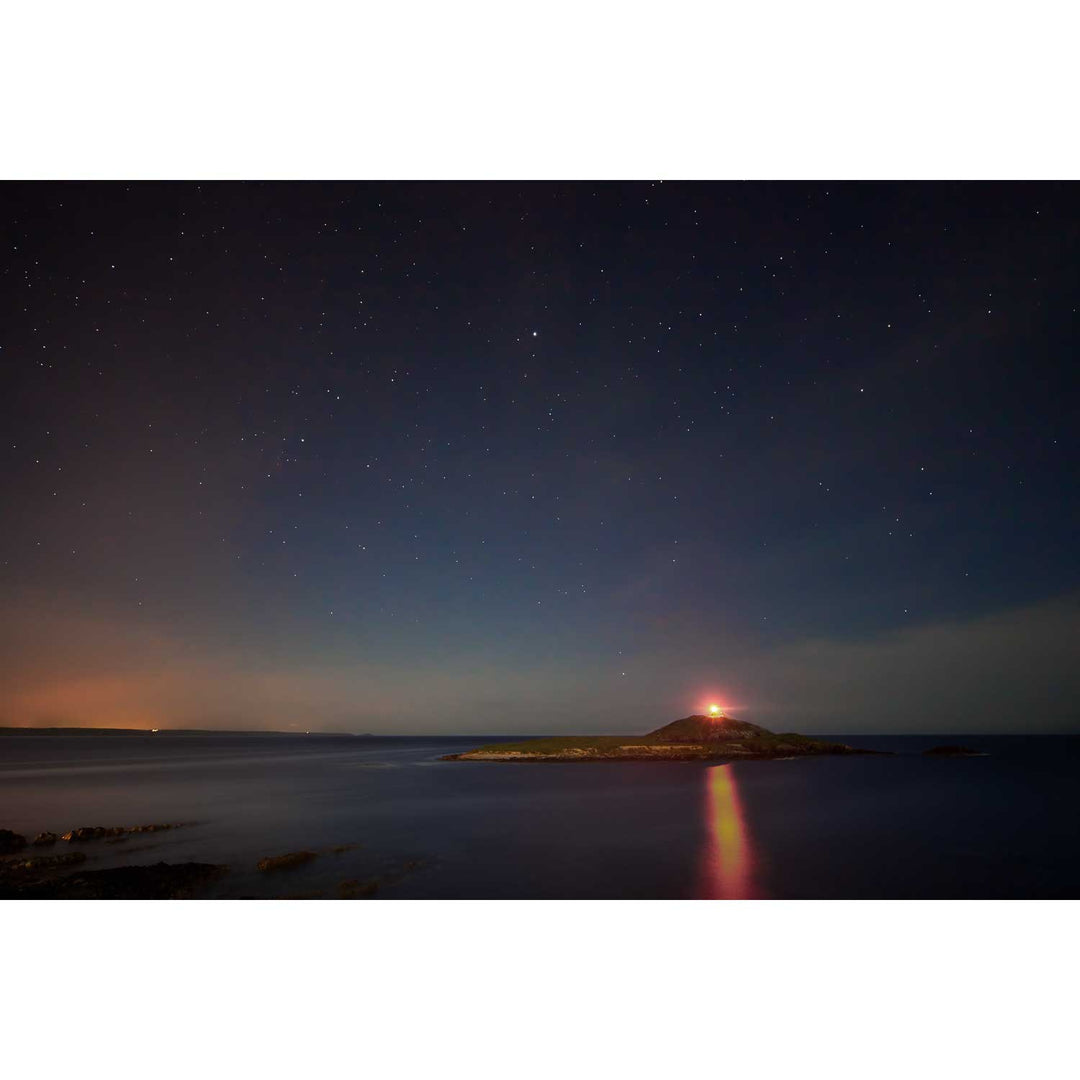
point(727, 859)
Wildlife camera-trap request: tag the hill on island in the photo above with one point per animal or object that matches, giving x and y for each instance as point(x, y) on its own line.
point(706, 729)
point(693, 738)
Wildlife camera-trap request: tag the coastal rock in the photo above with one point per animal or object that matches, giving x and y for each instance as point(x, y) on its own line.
point(37, 863)
point(285, 862)
point(87, 832)
point(160, 881)
point(44, 839)
point(11, 842)
point(99, 832)
point(355, 889)
point(19, 874)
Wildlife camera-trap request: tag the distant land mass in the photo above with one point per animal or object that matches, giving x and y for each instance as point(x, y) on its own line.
point(112, 732)
point(693, 738)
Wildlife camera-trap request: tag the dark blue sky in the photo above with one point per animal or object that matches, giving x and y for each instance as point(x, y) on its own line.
point(527, 457)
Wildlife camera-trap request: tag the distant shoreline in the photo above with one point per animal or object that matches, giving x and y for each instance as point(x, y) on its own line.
point(158, 732)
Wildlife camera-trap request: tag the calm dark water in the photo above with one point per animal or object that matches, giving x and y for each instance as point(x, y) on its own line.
point(1004, 825)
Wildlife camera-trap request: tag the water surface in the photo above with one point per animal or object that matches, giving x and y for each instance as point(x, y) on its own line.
point(904, 826)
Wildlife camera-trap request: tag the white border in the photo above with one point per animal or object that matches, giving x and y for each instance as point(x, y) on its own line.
point(485, 90)
point(533, 989)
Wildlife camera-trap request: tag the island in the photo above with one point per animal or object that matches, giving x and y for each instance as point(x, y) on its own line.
point(693, 738)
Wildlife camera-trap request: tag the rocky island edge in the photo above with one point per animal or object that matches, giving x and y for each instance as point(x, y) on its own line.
point(693, 738)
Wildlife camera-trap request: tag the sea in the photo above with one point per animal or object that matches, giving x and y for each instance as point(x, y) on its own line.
point(384, 818)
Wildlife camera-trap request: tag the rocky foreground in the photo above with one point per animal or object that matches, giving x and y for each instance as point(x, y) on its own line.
point(694, 738)
point(26, 874)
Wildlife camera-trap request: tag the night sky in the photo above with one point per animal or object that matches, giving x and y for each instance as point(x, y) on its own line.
point(540, 457)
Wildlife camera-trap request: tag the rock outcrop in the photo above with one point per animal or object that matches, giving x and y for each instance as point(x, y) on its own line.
point(11, 842)
point(23, 872)
point(160, 881)
point(285, 862)
point(100, 832)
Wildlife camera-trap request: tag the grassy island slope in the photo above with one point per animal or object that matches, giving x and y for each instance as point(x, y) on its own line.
point(694, 738)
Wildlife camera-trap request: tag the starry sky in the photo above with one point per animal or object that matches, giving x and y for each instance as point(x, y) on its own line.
point(482, 458)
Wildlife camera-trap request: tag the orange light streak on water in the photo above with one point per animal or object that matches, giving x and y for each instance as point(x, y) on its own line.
point(727, 860)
